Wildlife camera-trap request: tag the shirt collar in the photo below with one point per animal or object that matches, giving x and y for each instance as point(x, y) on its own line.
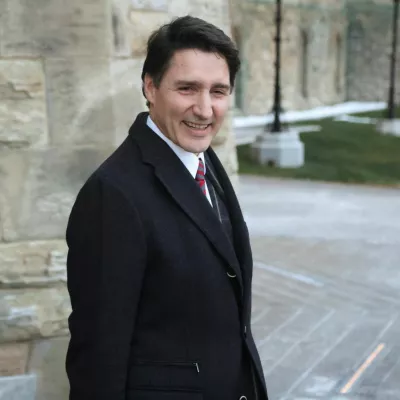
point(190, 160)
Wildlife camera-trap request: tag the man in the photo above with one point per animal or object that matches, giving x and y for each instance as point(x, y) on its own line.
point(159, 262)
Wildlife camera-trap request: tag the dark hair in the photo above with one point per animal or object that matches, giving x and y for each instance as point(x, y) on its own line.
point(187, 33)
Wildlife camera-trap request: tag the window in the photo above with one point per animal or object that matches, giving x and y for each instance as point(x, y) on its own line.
point(338, 62)
point(304, 46)
point(239, 77)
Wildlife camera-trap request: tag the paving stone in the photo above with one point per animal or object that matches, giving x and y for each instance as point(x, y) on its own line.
point(280, 343)
point(346, 357)
point(309, 352)
point(279, 318)
point(351, 270)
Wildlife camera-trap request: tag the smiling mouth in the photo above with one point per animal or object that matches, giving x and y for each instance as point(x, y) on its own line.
point(201, 127)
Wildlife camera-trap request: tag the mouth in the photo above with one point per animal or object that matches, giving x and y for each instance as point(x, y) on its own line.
point(196, 126)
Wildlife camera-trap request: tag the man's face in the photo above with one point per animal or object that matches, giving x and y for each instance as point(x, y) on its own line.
point(192, 99)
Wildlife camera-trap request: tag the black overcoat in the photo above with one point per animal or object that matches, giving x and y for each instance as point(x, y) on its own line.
point(160, 296)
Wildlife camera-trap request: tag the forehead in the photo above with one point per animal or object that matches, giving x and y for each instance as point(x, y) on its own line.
point(192, 64)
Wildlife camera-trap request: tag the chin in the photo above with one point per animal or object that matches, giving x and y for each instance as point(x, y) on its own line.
point(199, 149)
point(197, 146)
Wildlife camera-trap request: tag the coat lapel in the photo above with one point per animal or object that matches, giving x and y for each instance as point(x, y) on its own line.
point(240, 231)
point(184, 190)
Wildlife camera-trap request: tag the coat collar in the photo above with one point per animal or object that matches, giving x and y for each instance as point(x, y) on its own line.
point(183, 189)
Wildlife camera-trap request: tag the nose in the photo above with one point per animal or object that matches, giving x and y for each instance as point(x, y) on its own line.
point(203, 109)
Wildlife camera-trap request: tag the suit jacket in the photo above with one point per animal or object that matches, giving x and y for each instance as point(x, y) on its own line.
point(161, 298)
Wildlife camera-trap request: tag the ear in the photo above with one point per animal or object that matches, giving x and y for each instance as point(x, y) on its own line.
point(149, 88)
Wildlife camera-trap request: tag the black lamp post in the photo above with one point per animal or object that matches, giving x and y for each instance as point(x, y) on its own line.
point(392, 88)
point(277, 125)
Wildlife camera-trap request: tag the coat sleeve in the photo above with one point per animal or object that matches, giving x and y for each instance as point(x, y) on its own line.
point(105, 268)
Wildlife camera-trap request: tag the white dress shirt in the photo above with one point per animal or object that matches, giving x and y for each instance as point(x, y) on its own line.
point(189, 160)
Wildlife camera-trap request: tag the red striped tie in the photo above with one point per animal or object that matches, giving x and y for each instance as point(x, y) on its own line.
point(200, 177)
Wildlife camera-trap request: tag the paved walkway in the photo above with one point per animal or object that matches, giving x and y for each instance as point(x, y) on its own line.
point(326, 289)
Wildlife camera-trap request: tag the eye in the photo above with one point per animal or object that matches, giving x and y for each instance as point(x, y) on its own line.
point(185, 88)
point(220, 92)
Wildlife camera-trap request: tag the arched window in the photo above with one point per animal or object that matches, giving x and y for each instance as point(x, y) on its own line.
point(304, 46)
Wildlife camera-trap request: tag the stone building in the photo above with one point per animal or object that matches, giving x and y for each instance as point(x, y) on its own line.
point(332, 51)
point(69, 89)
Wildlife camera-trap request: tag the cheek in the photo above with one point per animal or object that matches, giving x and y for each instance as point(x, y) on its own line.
point(220, 110)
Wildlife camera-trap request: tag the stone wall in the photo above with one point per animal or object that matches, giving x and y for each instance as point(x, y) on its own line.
point(69, 89)
point(332, 51)
point(369, 51)
point(313, 64)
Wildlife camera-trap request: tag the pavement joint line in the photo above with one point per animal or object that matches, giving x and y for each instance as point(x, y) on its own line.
point(295, 276)
point(287, 293)
point(260, 315)
point(315, 327)
point(319, 359)
point(345, 298)
point(335, 286)
point(267, 277)
point(364, 366)
point(386, 377)
point(307, 298)
point(381, 334)
point(351, 284)
point(278, 328)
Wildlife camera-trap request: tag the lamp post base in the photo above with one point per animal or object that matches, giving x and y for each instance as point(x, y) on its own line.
point(389, 127)
point(281, 149)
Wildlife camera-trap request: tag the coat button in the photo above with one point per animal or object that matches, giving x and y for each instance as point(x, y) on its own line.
point(242, 398)
point(231, 275)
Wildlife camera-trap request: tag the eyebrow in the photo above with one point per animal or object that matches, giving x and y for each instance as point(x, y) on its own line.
point(198, 83)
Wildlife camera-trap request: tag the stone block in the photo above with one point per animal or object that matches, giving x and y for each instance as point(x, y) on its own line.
point(119, 18)
point(3, 5)
point(178, 8)
point(34, 313)
point(48, 364)
point(32, 264)
point(12, 178)
point(23, 104)
point(56, 28)
point(20, 387)
point(225, 147)
point(38, 188)
point(279, 149)
point(132, 23)
point(389, 127)
point(225, 131)
point(215, 12)
point(13, 359)
point(140, 26)
point(152, 5)
point(80, 104)
point(127, 97)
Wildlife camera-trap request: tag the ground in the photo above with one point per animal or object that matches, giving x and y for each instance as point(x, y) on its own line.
point(326, 288)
